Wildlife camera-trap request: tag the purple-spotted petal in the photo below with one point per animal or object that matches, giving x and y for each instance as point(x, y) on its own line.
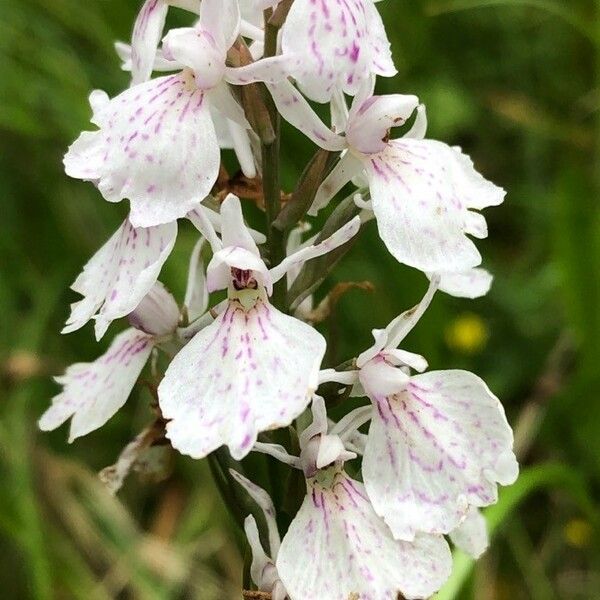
point(351, 552)
point(94, 392)
point(251, 370)
point(341, 44)
point(147, 32)
point(421, 193)
point(120, 274)
point(156, 145)
point(435, 447)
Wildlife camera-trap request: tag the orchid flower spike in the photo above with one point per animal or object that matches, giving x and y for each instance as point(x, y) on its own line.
point(156, 144)
point(338, 533)
point(438, 443)
point(424, 194)
point(93, 392)
point(254, 368)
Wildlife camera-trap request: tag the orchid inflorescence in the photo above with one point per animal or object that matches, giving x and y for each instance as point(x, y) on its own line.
point(245, 371)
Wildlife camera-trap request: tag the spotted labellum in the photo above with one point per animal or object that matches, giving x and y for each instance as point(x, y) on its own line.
point(378, 496)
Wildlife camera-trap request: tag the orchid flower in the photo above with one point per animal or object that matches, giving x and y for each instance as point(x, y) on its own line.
point(351, 550)
point(93, 392)
point(422, 192)
point(342, 45)
point(254, 368)
point(156, 144)
point(438, 443)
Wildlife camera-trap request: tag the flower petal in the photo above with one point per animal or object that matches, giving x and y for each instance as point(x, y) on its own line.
point(434, 449)
point(370, 121)
point(473, 283)
point(422, 191)
point(249, 371)
point(471, 536)
point(196, 292)
point(94, 392)
point(341, 44)
point(132, 155)
point(147, 32)
point(338, 548)
point(157, 314)
point(346, 168)
point(293, 107)
point(120, 274)
point(342, 236)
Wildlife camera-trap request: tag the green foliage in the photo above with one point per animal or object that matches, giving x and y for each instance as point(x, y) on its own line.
point(515, 84)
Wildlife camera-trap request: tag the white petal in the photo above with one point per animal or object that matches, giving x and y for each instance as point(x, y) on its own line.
point(147, 32)
point(156, 145)
point(120, 274)
point(197, 49)
point(473, 283)
point(347, 167)
point(157, 314)
point(389, 338)
point(341, 44)
point(221, 18)
point(233, 229)
point(264, 501)
point(262, 568)
point(297, 111)
point(471, 536)
point(247, 372)
point(369, 123)
point(422, 191)
point(196, 293)
point(270, 70)
point(94, 392)
point(337, 548)
point(343, 235)
point(434, 449)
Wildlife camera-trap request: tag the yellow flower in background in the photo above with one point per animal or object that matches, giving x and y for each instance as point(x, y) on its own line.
point(468, 333)
point(578, 533)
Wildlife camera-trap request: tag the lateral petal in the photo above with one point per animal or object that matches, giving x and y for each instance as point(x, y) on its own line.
point(120, 274)
point(94, 392)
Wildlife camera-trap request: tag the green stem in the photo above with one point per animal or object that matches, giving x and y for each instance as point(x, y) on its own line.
point(271, 174)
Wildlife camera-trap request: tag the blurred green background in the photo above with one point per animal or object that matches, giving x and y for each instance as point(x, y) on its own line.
point(517, 85)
